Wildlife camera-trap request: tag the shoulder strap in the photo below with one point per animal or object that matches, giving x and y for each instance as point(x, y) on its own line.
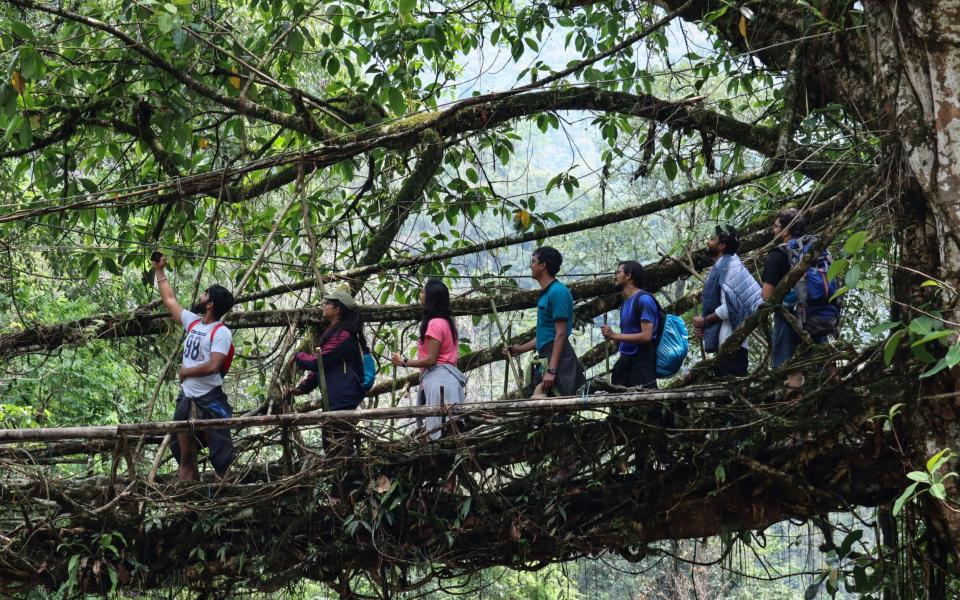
point(356, 339)
point(660, 313)
point(793, 250)
point(192, 325)
point(213, 331)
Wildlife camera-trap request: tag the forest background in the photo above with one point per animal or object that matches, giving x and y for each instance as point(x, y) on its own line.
point(277, 147)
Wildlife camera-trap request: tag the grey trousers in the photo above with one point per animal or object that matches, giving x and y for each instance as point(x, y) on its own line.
point(440, 377)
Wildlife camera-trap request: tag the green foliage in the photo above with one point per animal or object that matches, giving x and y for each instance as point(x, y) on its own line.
point(929, 480)
point(90, 116)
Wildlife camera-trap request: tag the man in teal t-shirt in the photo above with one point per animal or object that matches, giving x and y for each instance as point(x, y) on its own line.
point(563, 372)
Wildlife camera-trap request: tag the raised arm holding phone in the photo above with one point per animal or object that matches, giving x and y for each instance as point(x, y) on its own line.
point(207, 350)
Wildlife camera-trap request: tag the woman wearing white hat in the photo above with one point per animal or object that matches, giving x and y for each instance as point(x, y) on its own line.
point(341, 347)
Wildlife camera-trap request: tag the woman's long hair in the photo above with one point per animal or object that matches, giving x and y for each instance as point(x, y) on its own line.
point(436, 305)
point(350, 321)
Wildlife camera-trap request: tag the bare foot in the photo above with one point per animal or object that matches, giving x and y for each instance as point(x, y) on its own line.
point(793, 386)
point(188, 474)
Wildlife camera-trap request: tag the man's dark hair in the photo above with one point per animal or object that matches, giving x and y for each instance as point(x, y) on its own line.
point(633, 270)
point(728, 236)
point(792, 220)
point(549, 256)
point(222, 300)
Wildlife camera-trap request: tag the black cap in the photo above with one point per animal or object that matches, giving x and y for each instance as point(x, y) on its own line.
point(727, 232)
point(727, 235)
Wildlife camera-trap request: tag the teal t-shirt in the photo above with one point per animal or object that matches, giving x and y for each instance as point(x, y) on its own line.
point(555, 304)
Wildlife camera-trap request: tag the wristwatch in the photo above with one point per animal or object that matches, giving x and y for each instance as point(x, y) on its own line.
point(551, 370)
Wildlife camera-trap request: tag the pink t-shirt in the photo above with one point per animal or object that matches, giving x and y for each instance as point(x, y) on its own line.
point(439, 329)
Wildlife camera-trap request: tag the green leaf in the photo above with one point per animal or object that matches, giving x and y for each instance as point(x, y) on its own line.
point(936, 461)
point(894, 410)
point(30, 63)
point(853, 276)
point(924, 325)
point(295, 42)
point(710, 18)
point(398, 103)
point(26, 133)
point(931, 282)
point(837, 267)
point(111, 265)
point(906, 495)
point(919, 476)
point(938, 491)
point(165, 23)
point(851, 538)
point(953, 356)
point(93, 272)
point(333, 65)
point(171, 8)
point(21, 30)
point(855, 242)
point(670, 168)
point(936, 335)
point(923, 354)
point(885, 326)
point(407, 6)
point(811, 591)
point(72, 565)
point(841, 291)
point(13, 128)
point(890, 348)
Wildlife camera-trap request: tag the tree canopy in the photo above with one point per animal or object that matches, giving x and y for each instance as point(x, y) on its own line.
point(279, 147)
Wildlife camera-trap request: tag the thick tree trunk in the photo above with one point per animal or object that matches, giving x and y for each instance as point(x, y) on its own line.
point(916, 58)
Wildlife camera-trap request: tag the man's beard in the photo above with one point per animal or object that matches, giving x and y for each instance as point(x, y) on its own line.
point(199, 308)
point(619, 286)
point(714, 252)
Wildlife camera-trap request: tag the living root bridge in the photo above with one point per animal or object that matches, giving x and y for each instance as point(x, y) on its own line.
point(521, 485)
point(553, 405)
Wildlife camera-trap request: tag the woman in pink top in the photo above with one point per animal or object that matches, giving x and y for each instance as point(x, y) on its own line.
point(437, 354)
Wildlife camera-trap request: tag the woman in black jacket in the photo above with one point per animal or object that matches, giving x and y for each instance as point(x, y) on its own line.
point(341, 348)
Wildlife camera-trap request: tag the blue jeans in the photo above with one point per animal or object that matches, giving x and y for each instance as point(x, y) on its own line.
point(785, 341)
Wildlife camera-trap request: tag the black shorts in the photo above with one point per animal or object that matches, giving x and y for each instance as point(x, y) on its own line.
point(736, 364)
point(636, 370)
point(212, 405)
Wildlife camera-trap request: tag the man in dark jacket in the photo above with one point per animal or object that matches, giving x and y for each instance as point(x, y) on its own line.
point(788, 225)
